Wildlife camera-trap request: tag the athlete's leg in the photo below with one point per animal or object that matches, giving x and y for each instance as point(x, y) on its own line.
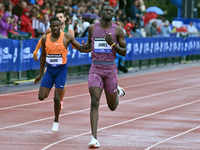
point(112, 100)
point(59, 86)
point(43, 93)
point(57, 96)
point(61, 98)
point(95, 94)
point(110, 87)
point(46, 85)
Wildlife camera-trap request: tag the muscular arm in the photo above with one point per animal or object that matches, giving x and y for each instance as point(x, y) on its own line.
point(42, 60)
point(39, 44)
point(70, 31)
point(121, 48)
point(73, 41)
point(43, 55)
point(87, 47)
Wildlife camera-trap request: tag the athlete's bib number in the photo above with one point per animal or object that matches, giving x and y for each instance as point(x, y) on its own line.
point(101, 46)
point(54, 59)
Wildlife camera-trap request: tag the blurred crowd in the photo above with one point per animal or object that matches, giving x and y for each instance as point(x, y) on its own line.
point(32, 16)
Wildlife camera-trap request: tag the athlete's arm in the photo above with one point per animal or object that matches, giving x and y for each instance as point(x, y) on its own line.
point(42, 60)
point(87, 46)
point(121, 48)
point(70, 31)
point(73, 41)
point(39, 44)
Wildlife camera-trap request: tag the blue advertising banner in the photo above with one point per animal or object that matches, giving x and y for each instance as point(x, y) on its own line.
point(16, 55)
point(9, 55)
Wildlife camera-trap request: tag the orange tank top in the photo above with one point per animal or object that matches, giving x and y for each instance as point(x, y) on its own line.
point(56, 53)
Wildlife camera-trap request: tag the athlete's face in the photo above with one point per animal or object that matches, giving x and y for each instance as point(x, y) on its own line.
point(61, 18)
point(107, 13)
point(55, 26)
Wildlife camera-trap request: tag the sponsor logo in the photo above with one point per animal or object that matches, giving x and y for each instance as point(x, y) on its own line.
point(57, 43)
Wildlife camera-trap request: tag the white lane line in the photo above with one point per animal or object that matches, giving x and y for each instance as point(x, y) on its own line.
point(121, 123)
point(154, 145)
point(35, 90)
point(8, 94)
point(143, 84)
point(39, 102)
point(135, 99)
point(34, 121)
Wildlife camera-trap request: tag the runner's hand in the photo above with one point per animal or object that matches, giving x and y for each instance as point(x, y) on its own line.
point(35, 57)
point(108, 38)
point(37, 79)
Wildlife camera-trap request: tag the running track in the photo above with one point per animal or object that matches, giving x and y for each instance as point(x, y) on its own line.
point(161, 111)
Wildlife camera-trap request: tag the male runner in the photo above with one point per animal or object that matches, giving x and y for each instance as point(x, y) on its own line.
point(54, 54)
point(105, 39)
point(63, 28)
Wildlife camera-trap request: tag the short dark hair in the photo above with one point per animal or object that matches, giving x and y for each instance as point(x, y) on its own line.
point(54, 19)
point(105, 4)
point(60, 12)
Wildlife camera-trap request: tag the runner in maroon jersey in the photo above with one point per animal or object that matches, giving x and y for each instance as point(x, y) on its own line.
point(105, 39)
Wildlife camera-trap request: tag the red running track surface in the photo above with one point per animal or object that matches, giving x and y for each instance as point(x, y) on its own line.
point(160, 112)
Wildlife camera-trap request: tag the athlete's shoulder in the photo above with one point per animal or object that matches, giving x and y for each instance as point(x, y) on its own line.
point(48, 31)
point(44, 39)
point(68, 35)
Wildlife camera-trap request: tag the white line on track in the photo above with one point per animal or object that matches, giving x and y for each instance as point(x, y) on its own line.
point(154, 145)
point(125, 101)
point(39, 102)
point(50, 100)
point(6, 94)
point(12, 93)
point(124, 122)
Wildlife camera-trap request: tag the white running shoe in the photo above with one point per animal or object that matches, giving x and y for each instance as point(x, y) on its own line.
point(122, 92)
point(94, 143)
point(55, 127)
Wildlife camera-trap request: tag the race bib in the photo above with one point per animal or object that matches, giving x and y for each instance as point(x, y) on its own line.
point(101, 46)
point(54, 59)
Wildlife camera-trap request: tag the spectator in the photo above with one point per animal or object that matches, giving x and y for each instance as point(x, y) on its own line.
point(134, 10)
point(17, 9)
point(165, 30)
point(26, 23)
point(6, 24)
point(44, 24)
point(128, 28)
point(192, 30)
point(2, 10)
point(153, 29)
point(113, 3)
point(8, 9)
point(14, 30)
point(85, 26)
point(136, 32)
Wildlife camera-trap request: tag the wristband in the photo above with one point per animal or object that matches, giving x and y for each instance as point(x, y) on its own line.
point(112, 44)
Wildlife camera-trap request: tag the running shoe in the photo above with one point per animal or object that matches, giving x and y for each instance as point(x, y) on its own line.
point(122, 92)
point(55, 127)
point(94, 143)
point(61, 103)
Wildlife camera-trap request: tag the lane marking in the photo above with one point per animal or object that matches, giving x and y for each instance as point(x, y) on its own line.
point(131, 76)
point(121, 123)
point(143, 84)
point(39, 102)
point(36, 90)
point(170, 138)
point(75, 112)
